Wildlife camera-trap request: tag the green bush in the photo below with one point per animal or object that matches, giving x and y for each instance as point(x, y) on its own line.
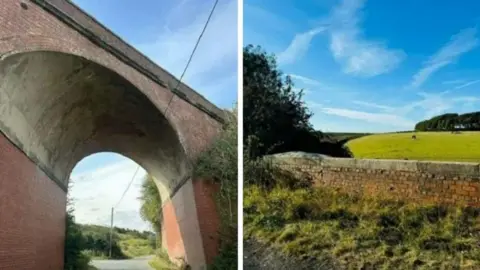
point(74, 258)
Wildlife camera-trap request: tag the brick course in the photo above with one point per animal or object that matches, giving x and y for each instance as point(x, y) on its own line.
point(34, 29)
point(209, 220)
point(32, 206)
point(32, 214)
point(416, 181)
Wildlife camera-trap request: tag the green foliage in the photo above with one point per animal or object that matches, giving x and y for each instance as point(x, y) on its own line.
point(362, 233)
point(220, 163)
point(450, 122)
point(74, 259)
point(275, 117)
point(74, 243)
point(440, 146)
point(162, 262)
point(151, 209)
point(97, 241)
point(127, 243)
point(136, 247)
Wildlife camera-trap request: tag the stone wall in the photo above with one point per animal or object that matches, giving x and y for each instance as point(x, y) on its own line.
point(418, 181)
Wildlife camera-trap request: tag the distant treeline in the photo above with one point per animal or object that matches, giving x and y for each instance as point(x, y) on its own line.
point(451, 122)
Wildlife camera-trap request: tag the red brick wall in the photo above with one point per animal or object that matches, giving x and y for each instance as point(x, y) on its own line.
point(171, 234)
point(208, 217)
point(32, 214)
point(208, 223)
point(417, 181)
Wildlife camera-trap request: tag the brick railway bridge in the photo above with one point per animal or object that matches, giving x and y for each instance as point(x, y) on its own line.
point(69, 88)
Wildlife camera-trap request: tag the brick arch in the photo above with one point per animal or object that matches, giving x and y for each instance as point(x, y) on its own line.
point(57, 108)
point(32, 206)
point(195, 128)
point(60, 108)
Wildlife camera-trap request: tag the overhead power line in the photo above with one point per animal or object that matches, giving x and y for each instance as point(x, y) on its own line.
point(193, 52)
point(128, 187)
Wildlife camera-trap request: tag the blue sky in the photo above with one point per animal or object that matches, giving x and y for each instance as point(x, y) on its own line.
point(373, 66)
point(166, 32)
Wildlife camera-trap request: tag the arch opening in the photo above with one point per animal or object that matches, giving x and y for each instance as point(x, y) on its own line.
point(59, 108)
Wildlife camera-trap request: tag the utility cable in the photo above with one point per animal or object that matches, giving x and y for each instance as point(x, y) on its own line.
point(128, 187)
point(193, 52)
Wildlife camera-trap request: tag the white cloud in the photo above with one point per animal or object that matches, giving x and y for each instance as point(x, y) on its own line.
point(357, 55)
point(378, 118)
point(454, 82)
point(467, 84)
point(298, 47)
point(373, 105)
point(304, 79)
point(459, 44)
point(216, 56)
point(429, 104)
point(95, 192)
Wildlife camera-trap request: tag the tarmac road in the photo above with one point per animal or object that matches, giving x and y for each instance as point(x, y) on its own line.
point(140, 263)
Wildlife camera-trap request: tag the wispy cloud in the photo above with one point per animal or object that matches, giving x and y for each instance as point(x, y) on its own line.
point(298, 47)
point(467, 84)
point(358, 55)
point(373, 105)
point(459, 44)
point(213, 60)
point(378, 118)
point(304, 79)
point(426, 106)
point(454, 82)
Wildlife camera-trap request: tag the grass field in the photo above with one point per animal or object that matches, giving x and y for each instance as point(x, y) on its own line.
point(439, 146)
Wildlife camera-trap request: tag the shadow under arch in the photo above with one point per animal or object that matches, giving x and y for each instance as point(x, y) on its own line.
point(59, 108)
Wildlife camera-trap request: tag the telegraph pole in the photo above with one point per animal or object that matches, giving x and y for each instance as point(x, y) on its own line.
point(111, 234)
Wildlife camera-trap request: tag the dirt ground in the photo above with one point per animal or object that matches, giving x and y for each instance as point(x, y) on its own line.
point(258, 257)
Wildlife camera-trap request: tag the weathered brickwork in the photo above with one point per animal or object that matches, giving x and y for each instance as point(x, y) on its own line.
point(35, 29)
point(32, 206)
point(209, 220)
point(417, 181)
point(32, 214)
point(171, 236)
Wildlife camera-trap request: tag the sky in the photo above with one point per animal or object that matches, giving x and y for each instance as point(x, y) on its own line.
point(166, 32)
point(373, 66)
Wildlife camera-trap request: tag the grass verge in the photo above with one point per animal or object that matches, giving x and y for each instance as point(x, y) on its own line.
point(162, 262)
point(362, 233)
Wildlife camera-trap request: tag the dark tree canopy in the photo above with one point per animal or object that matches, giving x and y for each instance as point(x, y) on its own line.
point(275, 118)
point(450, 122)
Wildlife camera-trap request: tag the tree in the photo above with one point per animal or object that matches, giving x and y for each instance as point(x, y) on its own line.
point(151, 209)
point(275, 117)
point(450, 121)
point(74, 259)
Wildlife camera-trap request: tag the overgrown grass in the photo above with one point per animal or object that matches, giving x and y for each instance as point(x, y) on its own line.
point(135, 247)
point(441, 146)
point(162, 262)
point(362, 233)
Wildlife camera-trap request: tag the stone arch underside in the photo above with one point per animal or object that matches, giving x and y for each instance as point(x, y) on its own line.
point(59, 108)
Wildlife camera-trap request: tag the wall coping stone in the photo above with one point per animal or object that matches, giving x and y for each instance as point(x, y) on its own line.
point(469, 169)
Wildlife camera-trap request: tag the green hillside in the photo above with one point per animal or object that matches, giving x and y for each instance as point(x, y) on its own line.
point(126, 242)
